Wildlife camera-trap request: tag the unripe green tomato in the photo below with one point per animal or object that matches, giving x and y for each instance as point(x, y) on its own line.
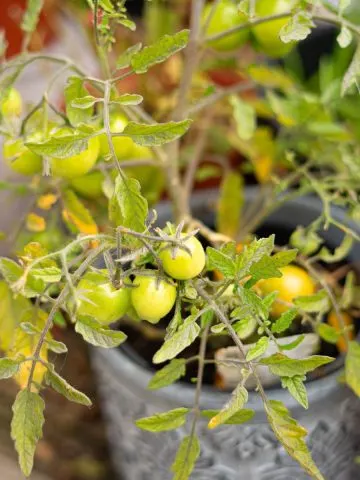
point(76, 165)
point(225, 17)
point(151, 298)
point(11, 106)
point(267, 34)
point(184, 266)
point(20, 159)
point(122, 145)
point(99, 299)
point(89, 185)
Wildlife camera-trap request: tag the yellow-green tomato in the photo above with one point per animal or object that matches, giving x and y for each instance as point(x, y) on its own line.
point(20, 159)
point(99, 299)
point(225, 17)
point(89, 185)
point(11, 106)
point(75, 165)
point(267, 34)
point(183, 265)
point(151, 298)
point(122, 145)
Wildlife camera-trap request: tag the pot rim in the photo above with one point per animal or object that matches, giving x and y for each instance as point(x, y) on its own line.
point(134, 369)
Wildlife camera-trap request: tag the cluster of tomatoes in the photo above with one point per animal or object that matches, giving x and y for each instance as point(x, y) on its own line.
point(264, 36)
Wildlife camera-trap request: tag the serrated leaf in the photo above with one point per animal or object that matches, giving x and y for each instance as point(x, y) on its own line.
point(186, 457)
point(163, 421)
point(47, 274)
point(253, 253)
point(31, 15)
point(77, 215)
point(328, 333)
point(61, 146)
point(127, 99)
point(268, 267)
point(159, 51)
point(230, 204)
point(76, 92)
point(318, 302)
point(157, 134)
point(298, 27)
point(14, 275)
point(127, 206)
point(340, 252)
point(26, 427)
point(283, 366)
point(182, 338)
point(241, 416)
point(168, 374)
point(291, 435)
point(221, 262)
point(124, 60)
point(352, 74)
point(295, 343)
point(352, 367)
point(258, 349)
point(284, 321)
point(238, 399)
point(245, 117)
point(96, 334)
point(345, 37)
point(8, 367)
point(257, 305)
point(61, 386)
point(297, 389)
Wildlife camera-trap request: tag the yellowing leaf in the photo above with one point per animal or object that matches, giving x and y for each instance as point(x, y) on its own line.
point(263, 166)
point(352, 367)
point(77, 215)
point(45, 202)
point(35, 223)
point(230, 204)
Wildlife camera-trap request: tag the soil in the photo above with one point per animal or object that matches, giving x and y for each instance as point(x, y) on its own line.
point(74, 446)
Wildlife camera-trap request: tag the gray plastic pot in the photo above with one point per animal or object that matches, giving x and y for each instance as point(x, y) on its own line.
point(244, 452)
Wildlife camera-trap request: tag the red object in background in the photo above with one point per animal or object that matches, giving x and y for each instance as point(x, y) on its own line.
point(10, 21)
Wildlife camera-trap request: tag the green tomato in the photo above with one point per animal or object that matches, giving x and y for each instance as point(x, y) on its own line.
point(99, 299)
point(20, 159)
point(225, 17)
point(122, 145)
point(184, 266)
point(267, 34)
point(11, 106)
point(152, 299)
point(76, 165)
point(89, 185)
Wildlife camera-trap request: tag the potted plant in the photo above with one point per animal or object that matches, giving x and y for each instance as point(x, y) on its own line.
point(238, 293)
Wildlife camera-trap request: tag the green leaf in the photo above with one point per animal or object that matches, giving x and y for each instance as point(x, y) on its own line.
point(253, 253)
point(307, 242)
point(31, 15)
point(345, 37)
point(352, 367)
point(258, 349)
point(168, 374)
point(230, 204)
point(55, 346)
point(8, 367)
point(340, 252)
point(244, 116)
point(258, 306)
point(348, 291)
point(297, 389)
point(238, 399)
point(157, 134)
point(124, 60)
point(63, 146)
point(291, 435)
point(76, 92)
point(221, 262)
point(318, 302)
point(61, 386)
point(47, 274)
point(127, 206)
point(298, 27)
point(186, 457)
point(127, 99)
point(352, 75)
point(328, 333)
point(159, 51)
point(182, 338)
point(163, 421)
point(284, 321)
point(84, 103)
point(295, 343)
point(268, 267)
point(96, 334)
point(241, 416)
point(26, 427)
point(14, 275)
point(283, 366)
